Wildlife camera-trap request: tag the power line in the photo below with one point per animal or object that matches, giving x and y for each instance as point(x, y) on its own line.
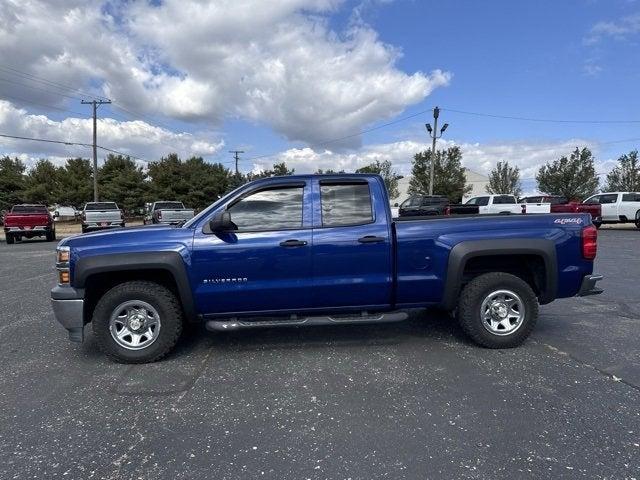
point(20, 99)
point(38, 88)
point(541, 120)
point(35, 78)
point(46, 140)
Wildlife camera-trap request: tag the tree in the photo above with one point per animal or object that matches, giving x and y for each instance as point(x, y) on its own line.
point(279, 169)
point(573, 177)
point(450, 179)
point(76, 182)
point(12, 182)
point(42, 184)
point(626, 176)
point(385, 170)
point(122, 181)
point(504, 179)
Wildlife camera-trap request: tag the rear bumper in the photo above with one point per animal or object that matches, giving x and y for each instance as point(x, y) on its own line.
point(588, 286)
point(88, 226)
point(38, 229)
point(68, 309)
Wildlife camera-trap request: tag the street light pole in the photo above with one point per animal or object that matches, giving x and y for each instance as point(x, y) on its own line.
point(433, 133)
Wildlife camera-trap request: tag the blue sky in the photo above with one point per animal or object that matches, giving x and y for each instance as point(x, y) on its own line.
point(278, 78)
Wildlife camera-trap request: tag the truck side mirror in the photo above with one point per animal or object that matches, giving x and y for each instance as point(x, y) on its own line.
point(222, 223)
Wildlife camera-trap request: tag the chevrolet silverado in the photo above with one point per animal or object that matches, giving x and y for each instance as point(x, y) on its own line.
point(317, 250)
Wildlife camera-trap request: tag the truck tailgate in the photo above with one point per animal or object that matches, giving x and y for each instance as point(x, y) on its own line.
point(168, 216)
point(26, 219)
point(97, 216)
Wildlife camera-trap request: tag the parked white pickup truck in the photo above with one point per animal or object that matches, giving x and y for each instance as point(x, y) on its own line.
point(170, 213)
point(618, 207)
point(505, 204)
point(101, 215)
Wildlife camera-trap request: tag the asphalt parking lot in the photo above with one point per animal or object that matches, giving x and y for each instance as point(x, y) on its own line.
point(409, 400)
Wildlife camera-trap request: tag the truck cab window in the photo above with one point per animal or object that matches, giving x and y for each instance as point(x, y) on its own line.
point(609, 198)
point(271, 209)
point(345, 204)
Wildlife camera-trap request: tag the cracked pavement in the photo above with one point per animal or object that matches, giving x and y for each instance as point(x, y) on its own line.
point(408, 400)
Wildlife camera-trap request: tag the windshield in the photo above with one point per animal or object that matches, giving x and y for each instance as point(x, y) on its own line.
point(101, 206)
point(168, 206)
point(29, 209)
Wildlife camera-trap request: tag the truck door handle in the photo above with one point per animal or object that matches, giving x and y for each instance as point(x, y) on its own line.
point(371, 239)
point(293, 243)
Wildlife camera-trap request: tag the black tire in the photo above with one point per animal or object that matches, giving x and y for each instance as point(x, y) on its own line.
point(597, 225)
point(84, 229)
point(9, 238)
point(161, 299)
point(470, 306)
point(51, 235)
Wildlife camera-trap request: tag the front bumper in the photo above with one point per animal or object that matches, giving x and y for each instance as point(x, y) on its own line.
point(588, 286)
point(68, 309)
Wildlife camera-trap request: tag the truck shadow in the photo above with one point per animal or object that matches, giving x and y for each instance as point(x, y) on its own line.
point(422, 324)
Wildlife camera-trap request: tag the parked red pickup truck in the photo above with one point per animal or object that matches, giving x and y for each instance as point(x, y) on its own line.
point(559, 204)
point(29, 221)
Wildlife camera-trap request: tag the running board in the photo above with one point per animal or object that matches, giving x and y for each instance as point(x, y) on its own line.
point(295, 321)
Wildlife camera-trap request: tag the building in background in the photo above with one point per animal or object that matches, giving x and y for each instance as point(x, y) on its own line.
point(477, 181)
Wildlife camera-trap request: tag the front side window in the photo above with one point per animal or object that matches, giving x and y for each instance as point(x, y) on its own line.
point(480, 201)
point(271, 209)
point(345, 204)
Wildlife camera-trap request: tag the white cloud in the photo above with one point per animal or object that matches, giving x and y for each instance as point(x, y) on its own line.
point(135, 138)
point(619, 30)
point(481, 158)
point(276, 63)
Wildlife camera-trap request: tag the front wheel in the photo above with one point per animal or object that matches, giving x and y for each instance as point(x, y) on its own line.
point(137, 322)
point(497, 310)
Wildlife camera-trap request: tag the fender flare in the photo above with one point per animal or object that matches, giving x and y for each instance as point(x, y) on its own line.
point(464, 251)
point(170, 261)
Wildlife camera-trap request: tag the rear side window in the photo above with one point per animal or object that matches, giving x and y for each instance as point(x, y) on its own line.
point(345, 204)
point(631, 197)
point(434, 201)
point(608, 198)
point(271, 209)
point(101, 206)
point(29, 209)
point(504, 200)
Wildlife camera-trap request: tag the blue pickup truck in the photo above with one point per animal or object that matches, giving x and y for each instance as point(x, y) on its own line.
point(317, 250)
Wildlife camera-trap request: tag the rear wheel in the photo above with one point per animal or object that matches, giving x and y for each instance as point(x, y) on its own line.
point(10, 239)
point(51, 235)
point(498, 310)
point(84, 229)
point(137, 322)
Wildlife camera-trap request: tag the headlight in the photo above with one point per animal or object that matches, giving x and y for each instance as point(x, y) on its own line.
point(62, 265)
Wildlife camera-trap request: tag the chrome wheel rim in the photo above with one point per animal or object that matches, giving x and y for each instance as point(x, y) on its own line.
point(502, 312)
point(134, 325)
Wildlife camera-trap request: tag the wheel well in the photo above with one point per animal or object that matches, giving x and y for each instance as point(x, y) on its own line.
point(530, 268)
point(98, 284)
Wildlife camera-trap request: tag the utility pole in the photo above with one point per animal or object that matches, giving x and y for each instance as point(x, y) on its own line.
point(433, 133)
point(96, 104)
point(236, 156)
